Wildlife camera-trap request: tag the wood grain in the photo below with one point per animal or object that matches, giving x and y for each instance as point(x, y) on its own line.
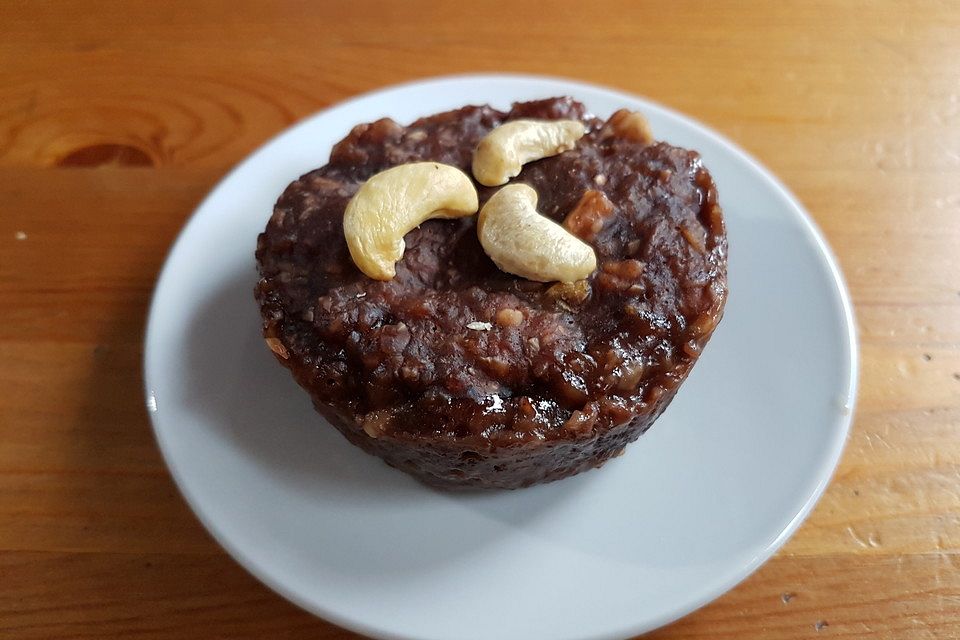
point(116, 119)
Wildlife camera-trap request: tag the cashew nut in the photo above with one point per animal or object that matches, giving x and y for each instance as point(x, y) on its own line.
point(522, 242)
point(503, 152)
point(396, 201)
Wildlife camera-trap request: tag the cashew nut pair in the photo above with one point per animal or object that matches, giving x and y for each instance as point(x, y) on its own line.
point(516, 237)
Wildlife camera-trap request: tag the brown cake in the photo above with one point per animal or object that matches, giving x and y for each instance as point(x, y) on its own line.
point(463, 374)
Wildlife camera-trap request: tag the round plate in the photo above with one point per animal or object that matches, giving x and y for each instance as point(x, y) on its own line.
point(716, 486)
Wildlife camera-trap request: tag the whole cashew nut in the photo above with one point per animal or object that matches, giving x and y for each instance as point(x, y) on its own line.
point(396, 201)
point(522, 242)
point(503, 152)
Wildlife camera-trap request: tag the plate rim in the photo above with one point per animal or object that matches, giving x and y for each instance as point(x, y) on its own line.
point(828, 465)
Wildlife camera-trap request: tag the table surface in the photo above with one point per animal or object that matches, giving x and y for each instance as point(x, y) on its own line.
point(116, 119)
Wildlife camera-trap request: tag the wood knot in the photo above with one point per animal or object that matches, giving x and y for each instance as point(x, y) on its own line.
point(107, 154)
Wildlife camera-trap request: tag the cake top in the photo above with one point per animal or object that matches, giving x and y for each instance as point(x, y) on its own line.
point(454, 347)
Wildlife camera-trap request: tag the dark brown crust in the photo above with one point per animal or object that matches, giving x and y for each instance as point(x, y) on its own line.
point(395, 365)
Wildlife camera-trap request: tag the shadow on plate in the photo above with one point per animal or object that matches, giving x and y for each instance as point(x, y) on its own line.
point(234, 384)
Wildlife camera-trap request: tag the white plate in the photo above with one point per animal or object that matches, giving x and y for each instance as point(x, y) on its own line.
point(718, 484)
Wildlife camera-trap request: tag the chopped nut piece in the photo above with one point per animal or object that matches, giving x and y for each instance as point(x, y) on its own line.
point(569, 295)
point(277, 347)
point(417, 135)
point(589, 215)
point(375, 422)
point(582, 420)
point(509, 317)
point(480, 326)
point(625, 269)
point(630, 125)
point(627, 376)
point(694, 237)
point(497, 367)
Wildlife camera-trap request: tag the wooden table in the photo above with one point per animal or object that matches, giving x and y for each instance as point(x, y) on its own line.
point(116, 119)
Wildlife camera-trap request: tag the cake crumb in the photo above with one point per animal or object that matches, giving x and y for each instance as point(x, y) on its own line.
point(820, 624)
point(152, 402)
point(480, 326)
point(20, 235)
